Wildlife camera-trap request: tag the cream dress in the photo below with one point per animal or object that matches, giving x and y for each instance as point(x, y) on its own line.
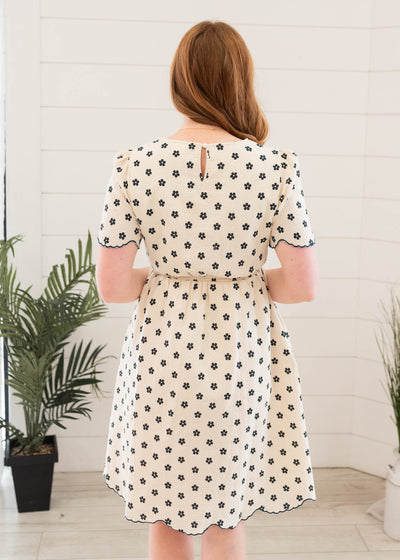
point(207, 423)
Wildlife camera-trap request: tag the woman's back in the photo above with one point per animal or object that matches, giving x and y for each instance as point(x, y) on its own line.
point(207, 422)
point(219, 224)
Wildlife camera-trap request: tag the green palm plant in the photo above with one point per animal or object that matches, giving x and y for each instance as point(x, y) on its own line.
point(389, 348)
point(36, 332)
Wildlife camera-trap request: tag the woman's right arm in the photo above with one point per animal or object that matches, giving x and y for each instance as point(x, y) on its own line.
point(297, 278)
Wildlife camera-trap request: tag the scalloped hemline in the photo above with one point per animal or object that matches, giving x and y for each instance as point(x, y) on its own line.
point(261, 508)
point(292, 244)
point(118, 246)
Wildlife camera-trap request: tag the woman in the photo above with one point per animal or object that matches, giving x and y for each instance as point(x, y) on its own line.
point(207, 424)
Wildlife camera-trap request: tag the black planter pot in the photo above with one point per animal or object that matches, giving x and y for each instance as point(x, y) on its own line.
point(32, 475)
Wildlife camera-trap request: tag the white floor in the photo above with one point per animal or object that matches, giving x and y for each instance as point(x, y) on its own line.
point(86, 520)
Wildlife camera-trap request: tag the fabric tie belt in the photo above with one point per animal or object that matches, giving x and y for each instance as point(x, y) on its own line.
point(257, 272)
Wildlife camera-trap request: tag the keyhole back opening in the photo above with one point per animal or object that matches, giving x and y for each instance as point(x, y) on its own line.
point(203, 161)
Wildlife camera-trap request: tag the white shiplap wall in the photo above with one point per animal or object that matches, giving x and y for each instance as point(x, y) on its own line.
point(374, 433)
point(98, 82)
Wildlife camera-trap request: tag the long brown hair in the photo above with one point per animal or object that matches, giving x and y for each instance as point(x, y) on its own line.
point(211, 81)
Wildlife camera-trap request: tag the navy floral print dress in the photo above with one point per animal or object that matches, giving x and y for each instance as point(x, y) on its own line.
point(207, 423)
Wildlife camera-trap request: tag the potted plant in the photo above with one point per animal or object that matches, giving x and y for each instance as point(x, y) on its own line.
point(50, 385)
point(389, 347)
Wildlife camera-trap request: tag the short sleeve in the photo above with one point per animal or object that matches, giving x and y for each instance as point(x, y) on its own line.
point(291, 222)
point(119, 225)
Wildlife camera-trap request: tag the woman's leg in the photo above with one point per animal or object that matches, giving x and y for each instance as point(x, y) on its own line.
point(224, 544)
point(168, 544)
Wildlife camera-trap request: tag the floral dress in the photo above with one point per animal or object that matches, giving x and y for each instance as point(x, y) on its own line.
point(207, 423)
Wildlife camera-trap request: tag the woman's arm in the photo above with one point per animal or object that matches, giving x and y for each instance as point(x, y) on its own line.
point(297, 279)
point(117, 280)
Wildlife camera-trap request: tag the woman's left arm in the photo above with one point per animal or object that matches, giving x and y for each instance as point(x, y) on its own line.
point(117, 280)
